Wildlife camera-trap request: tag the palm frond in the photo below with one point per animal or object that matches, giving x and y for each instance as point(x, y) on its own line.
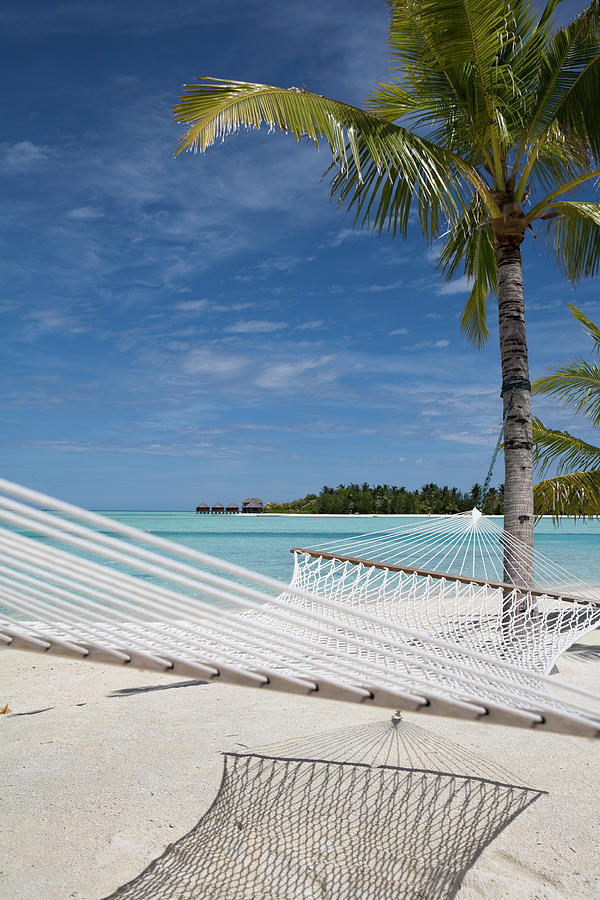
point(569, 82)
point(469, 244)
point(576, 495)
point(367, 150)
point(461, 59)
point(561, 451)
point(558, 158)
point(214, 108)
point(446, 34)
point(431, 110)
point(591, 329)
point(382, 199)
point(473, 322)
point(462, 249)
point(574, 235)
point(577, 385)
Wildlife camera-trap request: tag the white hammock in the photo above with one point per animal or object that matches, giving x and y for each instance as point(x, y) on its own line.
point(462, 643)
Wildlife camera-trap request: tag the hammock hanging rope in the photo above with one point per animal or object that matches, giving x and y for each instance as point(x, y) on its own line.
point(418, 619)
point(512, 386)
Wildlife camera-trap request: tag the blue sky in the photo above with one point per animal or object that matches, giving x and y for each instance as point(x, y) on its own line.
point(213, 327)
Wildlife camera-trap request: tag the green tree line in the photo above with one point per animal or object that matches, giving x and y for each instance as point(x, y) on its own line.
point(346, 499)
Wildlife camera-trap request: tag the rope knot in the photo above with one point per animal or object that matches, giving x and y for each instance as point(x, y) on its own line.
point(515, 385)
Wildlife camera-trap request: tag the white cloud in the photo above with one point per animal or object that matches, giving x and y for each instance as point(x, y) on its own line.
point(16, 159)
point(255, 326)
point(207, 361)
point(433, 345)
point(378, 288)
point(313, 323)
point(281, 375)
point(432, 253)
point(398, 331)
point(196, 447)
point(546, 304)
point(348, 234)
point(271, 266)
point(460, 286)
point(43, 321)
point(85, 213)
point(192, 305)
point(231, 307)
point(465, 437)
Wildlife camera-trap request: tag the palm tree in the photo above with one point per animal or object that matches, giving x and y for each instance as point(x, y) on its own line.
point(577, 385)
point(490, 118)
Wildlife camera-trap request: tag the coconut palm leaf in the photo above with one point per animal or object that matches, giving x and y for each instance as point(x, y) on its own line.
point(448, 51)
point(591, 329)
point(573, 232)
point(569, 82)
point(561, 450)
point(557, 161)
point(468, 67)
point(576, 495)
point(469, 244)
point(366, 147)
point(383, 200)
point(574, 107)
point(576, 384)
point(473, 322)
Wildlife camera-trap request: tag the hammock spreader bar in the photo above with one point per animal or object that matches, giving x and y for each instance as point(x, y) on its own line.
point(444, 576)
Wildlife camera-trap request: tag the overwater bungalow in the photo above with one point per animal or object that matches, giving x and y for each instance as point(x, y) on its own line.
point(232, 508)
point(218, 508)
point(253, 505)
point(203, 508)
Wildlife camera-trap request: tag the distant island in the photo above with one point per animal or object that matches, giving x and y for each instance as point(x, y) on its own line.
point(347, 499)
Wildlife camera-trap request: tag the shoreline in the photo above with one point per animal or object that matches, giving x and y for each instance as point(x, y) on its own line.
point(270, 515)
point(298, 515)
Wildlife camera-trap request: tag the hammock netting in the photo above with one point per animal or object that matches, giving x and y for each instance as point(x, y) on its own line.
point(451, 617)
point(530, 627)
point(384, 811)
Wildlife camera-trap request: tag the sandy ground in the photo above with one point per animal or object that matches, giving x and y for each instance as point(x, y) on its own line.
point(102, 767)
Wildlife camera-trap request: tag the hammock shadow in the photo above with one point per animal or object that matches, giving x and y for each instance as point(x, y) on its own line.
point(32, 712)
point(285, 826)
point(133, 691)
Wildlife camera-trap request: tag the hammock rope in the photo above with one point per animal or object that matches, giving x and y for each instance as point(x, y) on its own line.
point(363, 620)
point(512, 386)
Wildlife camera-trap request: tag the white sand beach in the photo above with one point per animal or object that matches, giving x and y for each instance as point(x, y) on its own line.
point(103, 767)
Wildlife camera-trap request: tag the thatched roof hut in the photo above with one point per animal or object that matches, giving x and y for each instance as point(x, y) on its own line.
point(233, 508)
point(253, 505)
point(203, 508)
point(218, 508)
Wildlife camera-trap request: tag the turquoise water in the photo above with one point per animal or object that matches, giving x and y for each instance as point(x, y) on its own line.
point(263, 542)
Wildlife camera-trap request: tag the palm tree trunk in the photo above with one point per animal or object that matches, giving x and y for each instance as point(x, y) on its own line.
point(518, 488)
